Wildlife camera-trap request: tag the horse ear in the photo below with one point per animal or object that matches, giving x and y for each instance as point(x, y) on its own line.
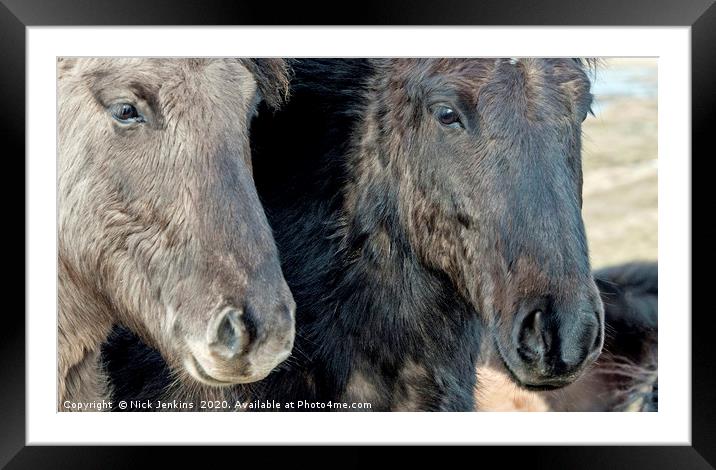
point(273, 77)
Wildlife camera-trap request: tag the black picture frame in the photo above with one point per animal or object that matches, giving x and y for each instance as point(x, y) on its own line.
point(16, 15)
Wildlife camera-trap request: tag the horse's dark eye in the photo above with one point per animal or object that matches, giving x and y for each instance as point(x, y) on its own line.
point(447, 116)
point(125, 112)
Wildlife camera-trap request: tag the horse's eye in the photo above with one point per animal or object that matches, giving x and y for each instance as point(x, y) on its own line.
point(125, 112)
point(447, 116)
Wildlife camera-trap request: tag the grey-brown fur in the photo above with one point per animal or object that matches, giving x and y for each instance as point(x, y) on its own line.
point(159, 222)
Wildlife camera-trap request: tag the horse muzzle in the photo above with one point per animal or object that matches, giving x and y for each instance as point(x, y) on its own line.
point(550, 346)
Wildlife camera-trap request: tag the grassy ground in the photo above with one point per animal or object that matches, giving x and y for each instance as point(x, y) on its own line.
point(620, 163)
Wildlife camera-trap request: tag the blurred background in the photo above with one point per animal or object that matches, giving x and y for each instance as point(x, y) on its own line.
point(620, 162)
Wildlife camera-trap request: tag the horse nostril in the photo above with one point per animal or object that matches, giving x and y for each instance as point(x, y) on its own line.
point(229, 334)
point(533, 342)
point(552, 344)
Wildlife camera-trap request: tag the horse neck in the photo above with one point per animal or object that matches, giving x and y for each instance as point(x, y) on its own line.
point(84, 322)
point(375, 325)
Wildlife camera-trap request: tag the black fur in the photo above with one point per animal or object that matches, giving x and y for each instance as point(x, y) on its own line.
point(357, 313)
point(134, 369)
point(630, 296)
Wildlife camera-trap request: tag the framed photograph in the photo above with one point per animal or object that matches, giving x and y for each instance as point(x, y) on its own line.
point(234, 207)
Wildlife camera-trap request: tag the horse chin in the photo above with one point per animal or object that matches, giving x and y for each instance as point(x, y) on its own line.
point(515, 378)
point(199, 373)
point(545, 386)
point(206, 375)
